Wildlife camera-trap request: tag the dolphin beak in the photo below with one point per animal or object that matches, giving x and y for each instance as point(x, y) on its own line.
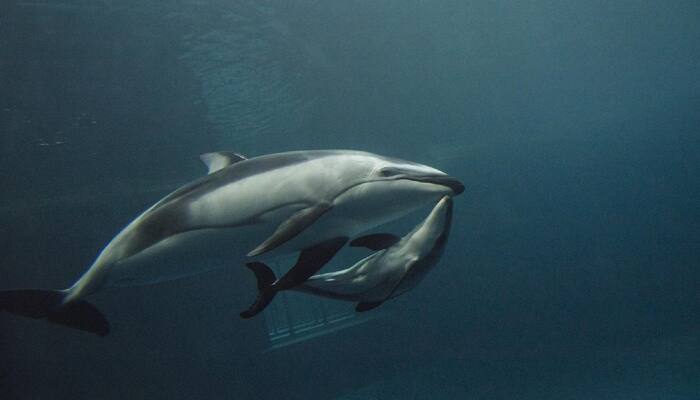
point(446, 180)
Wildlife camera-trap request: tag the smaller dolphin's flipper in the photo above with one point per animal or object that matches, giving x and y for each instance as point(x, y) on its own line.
point(48, 304)
point(299, 221)
point(366, 306)
point(310, 261)
point(375, 241)
point(265, 278)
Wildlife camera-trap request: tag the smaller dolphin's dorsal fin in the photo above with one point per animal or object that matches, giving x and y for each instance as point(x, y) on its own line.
point(220, 159)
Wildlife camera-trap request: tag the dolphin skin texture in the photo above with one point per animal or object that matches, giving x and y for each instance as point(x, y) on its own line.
point(310, 202)
point(398, 266)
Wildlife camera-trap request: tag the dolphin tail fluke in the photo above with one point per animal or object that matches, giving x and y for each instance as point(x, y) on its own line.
point(49, 305)
point(266, 292)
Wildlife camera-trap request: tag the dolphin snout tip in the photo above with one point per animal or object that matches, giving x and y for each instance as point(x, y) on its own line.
point(457, 187)
point(453, 184)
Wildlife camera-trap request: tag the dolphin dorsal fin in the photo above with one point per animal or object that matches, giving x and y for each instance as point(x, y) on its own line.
point(220, 159)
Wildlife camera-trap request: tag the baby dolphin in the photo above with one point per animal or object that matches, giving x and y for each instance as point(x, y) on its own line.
point(310, 202)
point(397, 268)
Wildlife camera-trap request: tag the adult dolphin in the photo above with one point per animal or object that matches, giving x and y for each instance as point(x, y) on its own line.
point(308, 201)
point(395, 269)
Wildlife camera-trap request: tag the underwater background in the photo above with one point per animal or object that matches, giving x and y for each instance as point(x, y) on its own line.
point(572, 270)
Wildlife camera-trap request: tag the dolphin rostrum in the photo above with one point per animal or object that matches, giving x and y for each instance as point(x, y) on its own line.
point(307, 201)
point(395, 269)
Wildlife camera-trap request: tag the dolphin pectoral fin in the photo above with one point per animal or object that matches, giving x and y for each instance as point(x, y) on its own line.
point(220, 159)
point(299, 221)
point(366, 306)
point(375, 241)
point(310, 261)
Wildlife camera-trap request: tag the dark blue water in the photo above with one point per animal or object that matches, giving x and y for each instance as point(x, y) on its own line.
point(572, 269)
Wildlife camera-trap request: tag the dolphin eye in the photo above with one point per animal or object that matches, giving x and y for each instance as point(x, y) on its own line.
point(386, 172)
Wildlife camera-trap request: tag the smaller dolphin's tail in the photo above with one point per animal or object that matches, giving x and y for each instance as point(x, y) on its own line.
point(49, 305)
point(266, 291)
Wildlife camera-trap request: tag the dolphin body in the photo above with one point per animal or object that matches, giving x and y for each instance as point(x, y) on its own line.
point(394, 270)
point(307, 201)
